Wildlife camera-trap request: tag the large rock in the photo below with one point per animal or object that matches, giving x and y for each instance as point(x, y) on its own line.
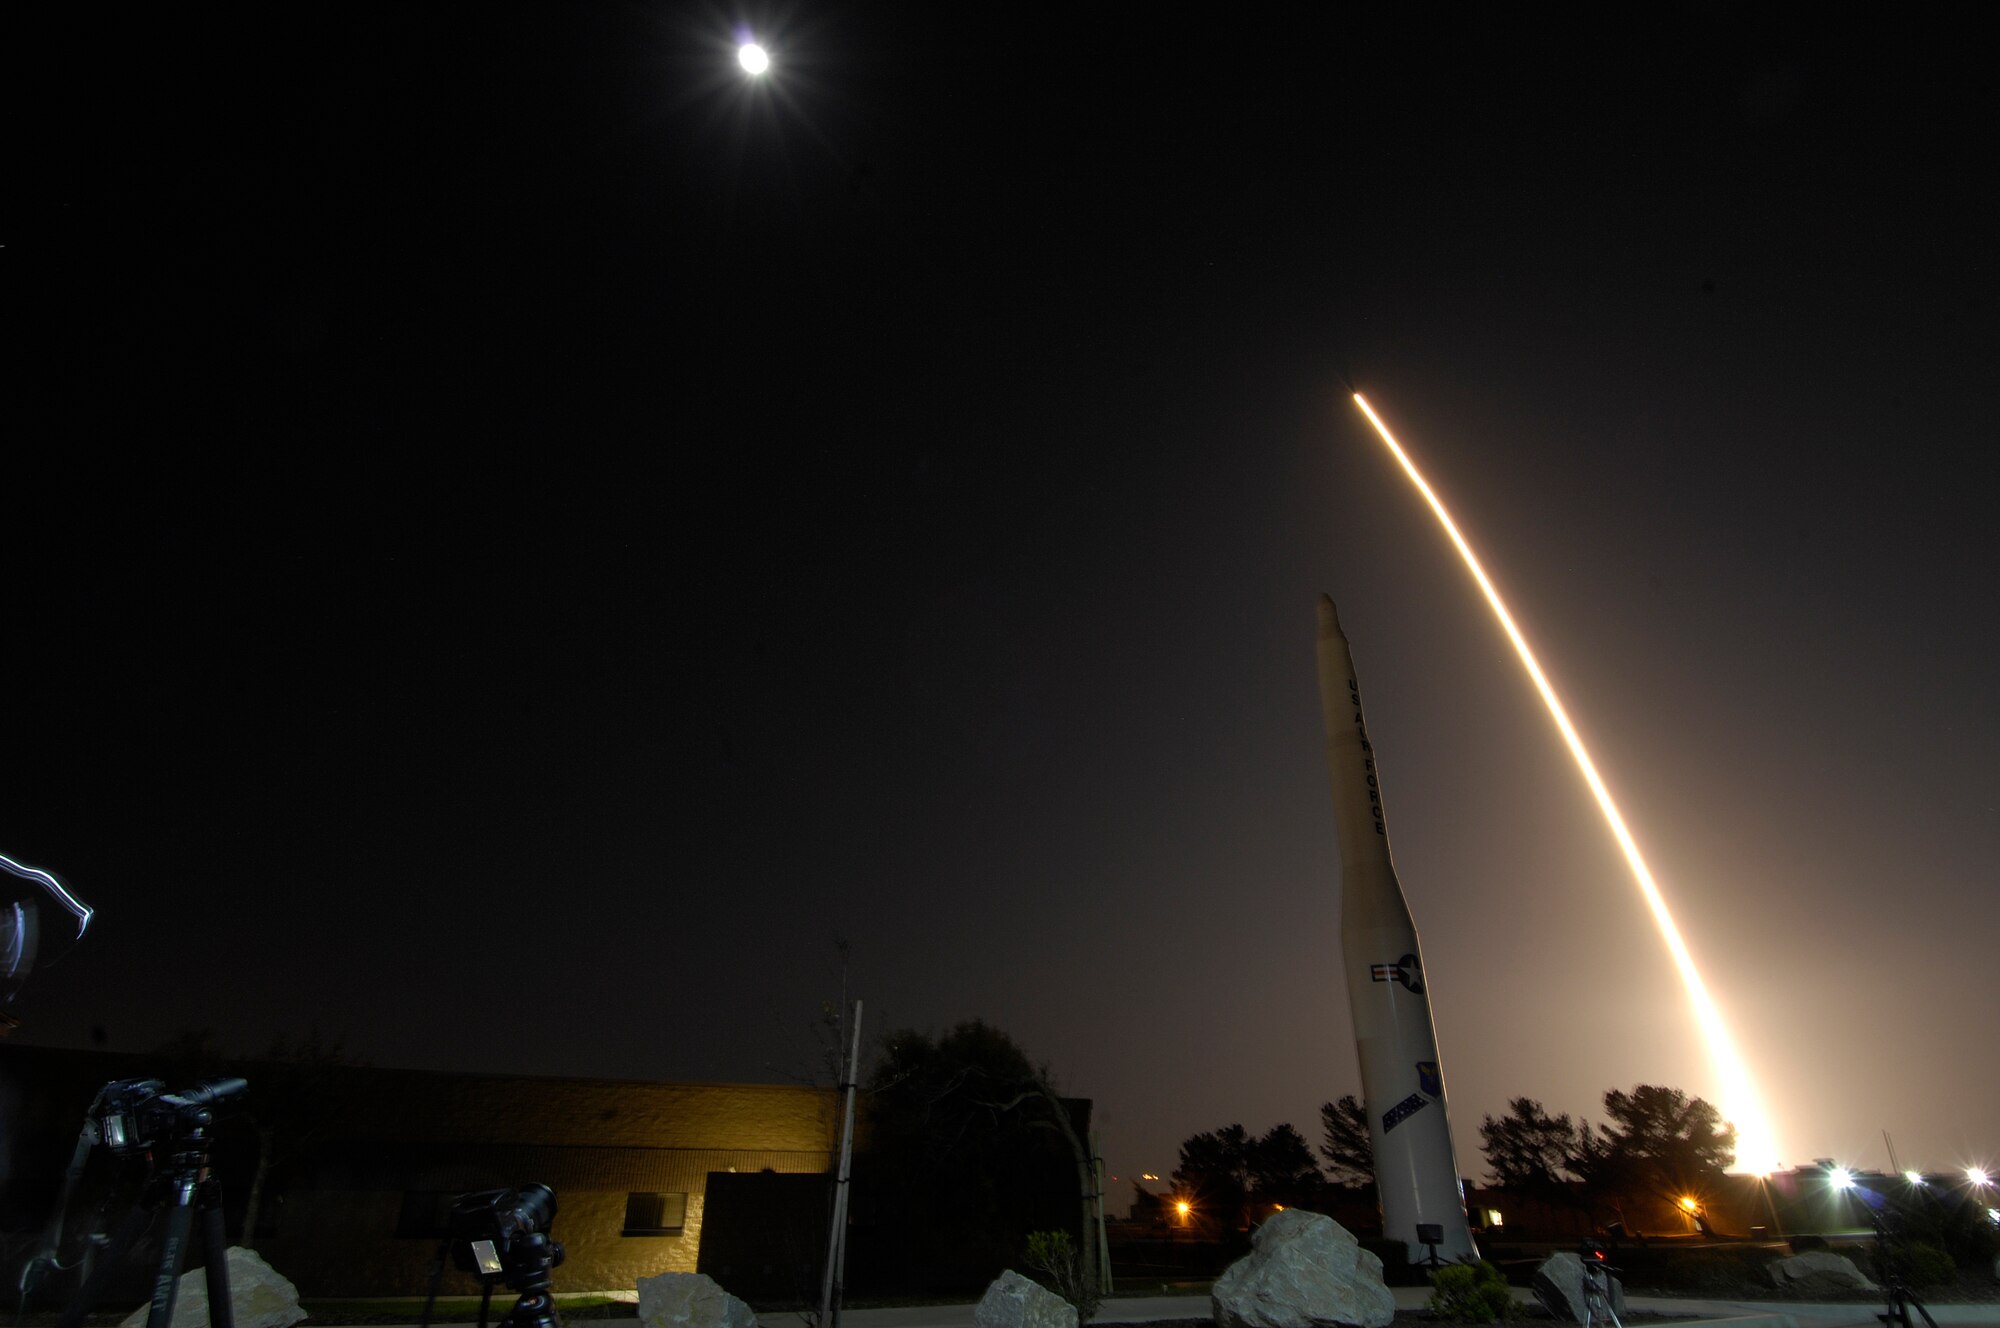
point(1303, 1271)
point(259, 1297)
point(690, 1300)
point(1559, 1286)
point(1819, 1272)
point(1014, 1301)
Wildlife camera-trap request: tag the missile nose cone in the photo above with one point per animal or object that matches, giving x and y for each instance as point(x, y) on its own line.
point(1329, 621)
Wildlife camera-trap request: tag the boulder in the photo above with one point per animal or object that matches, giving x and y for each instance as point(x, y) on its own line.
point(1014, 1301)
point(690, 1300)
point(259, 1297)
point(1559, 1286)
point(1819, 1273)
point(1303, 1271)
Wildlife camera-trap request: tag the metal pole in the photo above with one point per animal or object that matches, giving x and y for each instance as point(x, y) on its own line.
point(836, 1245)
point(1103, 1241)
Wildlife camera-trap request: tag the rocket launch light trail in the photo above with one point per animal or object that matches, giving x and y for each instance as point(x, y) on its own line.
point(1755, 1147)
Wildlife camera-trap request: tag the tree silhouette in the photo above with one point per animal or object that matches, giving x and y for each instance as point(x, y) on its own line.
point(1349, 1152)
point(1229, 1174)
point(1215, 1173)
point(957, 1123)
point(1282, 1170)
point(1670, 1143)
point(1529, 1151)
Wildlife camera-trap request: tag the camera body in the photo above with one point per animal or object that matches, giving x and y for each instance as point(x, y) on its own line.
point(1593, 1254)
point(132, 1117)
point(127, 1114)
point(503, 1234)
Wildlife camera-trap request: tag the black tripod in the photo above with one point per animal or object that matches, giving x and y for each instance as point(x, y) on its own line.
point(181, 1187)
point(1898, 1299)
point(1597, 1297)
point(534, 1307)
point(527, 1273)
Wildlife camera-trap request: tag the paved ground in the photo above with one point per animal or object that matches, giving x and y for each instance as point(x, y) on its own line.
point(1146, 1309)
point(1149, 1309)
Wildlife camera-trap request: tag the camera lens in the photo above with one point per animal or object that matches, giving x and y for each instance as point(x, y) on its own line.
point(537, 1206)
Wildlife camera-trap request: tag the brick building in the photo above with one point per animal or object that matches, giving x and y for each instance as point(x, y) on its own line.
point(361, 1213)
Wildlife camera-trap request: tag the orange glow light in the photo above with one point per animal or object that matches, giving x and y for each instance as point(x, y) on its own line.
point(1756, 1149)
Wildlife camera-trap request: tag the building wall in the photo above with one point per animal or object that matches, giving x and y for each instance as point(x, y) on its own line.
point(383, 1139)
point(594, 1142)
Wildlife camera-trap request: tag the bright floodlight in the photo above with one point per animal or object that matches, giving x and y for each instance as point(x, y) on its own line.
point(1841, 1178)
point(1914, 1177)
point(1975, 1175)
point(754, 58)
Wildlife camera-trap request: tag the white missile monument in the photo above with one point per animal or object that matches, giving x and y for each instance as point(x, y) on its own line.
point(1402, 1081)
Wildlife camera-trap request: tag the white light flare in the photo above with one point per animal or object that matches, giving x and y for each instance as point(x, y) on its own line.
point(1756, 1149)
point(754, 58)
point(56, 889)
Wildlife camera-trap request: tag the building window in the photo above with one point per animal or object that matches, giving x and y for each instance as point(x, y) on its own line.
point(424, 1212)
point(655, 1214)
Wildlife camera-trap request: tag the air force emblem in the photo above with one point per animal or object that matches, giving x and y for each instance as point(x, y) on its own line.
point(1405, 970)
point(1402, 1111)
point(1429, 1079)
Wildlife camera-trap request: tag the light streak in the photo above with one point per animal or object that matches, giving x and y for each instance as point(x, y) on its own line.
point(1755, 1146)
point(49, 883)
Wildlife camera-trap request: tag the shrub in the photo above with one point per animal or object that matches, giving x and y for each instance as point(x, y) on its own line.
point(1919, 1263)
point(1471, 1292)
point(1054, 1255)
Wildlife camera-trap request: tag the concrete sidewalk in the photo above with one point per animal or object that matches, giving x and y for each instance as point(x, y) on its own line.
point(1153, 1309)
point(1148, 1309)
point(1845, 1314)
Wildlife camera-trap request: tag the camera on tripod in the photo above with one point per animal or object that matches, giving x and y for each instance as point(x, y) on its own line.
point(132, 1117)
point(138, 1121)
point(503, 1234)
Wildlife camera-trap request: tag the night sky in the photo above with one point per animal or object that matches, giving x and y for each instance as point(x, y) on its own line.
point(518, 539)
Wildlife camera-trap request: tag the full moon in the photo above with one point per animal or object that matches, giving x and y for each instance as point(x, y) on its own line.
point(754, 58)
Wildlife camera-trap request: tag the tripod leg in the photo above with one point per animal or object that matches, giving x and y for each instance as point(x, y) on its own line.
point(85, 1300)
point(221, 1310)
point(167, 1282)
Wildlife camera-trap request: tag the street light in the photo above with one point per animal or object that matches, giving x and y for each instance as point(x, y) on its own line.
point(754, 58)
